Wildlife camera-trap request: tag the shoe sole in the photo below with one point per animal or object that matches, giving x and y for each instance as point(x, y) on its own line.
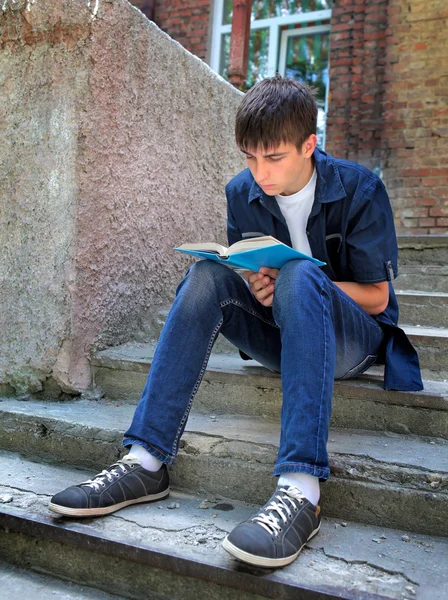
point(99, 512)
point(261, 561)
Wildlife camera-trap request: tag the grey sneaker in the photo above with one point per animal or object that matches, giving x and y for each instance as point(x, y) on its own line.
point(277, 533)
point(123, 483)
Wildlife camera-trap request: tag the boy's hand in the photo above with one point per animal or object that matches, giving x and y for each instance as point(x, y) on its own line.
point(262, 284)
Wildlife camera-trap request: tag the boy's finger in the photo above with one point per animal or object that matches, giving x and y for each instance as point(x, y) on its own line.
point(254, 276)
point(264, 291)
point(272, 273)
point(268, 301)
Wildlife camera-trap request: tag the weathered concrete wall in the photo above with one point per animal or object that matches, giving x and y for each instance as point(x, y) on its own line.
point(115, 144)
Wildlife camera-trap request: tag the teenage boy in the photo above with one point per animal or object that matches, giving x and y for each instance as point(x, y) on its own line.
point(312, 324)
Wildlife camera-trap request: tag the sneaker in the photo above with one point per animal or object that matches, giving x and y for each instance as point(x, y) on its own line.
point(277, 533)
point(123, 483)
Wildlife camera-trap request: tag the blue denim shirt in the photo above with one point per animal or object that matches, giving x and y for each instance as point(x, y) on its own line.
point(351, 228)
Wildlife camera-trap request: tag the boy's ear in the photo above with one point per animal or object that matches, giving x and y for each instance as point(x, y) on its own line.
point(309, 146)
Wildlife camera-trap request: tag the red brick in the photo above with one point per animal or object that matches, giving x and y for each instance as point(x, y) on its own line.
point(428, 202)
point(416, 172)
point(428, 222)
point(438, 212)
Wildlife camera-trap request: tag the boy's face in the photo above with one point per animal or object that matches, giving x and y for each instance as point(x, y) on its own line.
point(282, 170)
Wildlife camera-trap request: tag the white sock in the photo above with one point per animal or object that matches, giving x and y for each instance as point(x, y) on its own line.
point(307, 484)
point(148, 461)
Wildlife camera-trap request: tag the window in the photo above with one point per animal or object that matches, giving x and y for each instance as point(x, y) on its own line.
point(288, 36)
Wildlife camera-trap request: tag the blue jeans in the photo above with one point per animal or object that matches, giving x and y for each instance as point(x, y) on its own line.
point(312, 334)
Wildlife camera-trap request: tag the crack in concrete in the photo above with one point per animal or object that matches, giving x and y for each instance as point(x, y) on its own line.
point(376, 461)
point(24, 491)
point(363, 562)
point(210, 528)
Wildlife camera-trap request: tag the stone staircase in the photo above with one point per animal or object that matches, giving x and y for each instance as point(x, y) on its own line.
point(385, 506)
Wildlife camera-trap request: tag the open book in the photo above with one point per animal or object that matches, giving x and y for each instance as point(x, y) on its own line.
point(250, 253)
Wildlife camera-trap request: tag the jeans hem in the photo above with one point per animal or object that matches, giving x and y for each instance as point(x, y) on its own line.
point(166, 459)
point(322, 472)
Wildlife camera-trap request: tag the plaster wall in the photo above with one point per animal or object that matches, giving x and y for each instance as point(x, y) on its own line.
point(116, 146)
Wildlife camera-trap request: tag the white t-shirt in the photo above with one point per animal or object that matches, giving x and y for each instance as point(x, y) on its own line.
point(296, 210)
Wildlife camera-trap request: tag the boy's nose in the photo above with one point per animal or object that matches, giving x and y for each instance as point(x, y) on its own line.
point(262, 174)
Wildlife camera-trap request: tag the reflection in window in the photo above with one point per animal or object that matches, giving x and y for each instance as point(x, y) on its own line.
point(258, 56)
point(265, 9)
point(307, 60)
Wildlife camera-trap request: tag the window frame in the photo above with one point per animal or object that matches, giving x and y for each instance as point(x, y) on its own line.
point(274, 25)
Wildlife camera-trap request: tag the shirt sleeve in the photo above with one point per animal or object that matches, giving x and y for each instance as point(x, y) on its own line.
point(371, 238)
point(233, 233)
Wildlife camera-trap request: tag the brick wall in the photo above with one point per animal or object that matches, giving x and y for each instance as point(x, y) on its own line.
point(146, 6)
point(388, 102)
point(357, 61)
point(388, 105)
point(415, 133)
point(186, 21)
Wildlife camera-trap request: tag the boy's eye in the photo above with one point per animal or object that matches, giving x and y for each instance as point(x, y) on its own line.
point(275, 159)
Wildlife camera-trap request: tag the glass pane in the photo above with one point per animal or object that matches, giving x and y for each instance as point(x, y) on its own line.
point(257, 68)
point(227, 12)
point(225, 54)
point(307, 60)
point(263, 9)
point(258, 56)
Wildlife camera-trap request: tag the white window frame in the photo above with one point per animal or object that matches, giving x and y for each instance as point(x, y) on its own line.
point(274, 24)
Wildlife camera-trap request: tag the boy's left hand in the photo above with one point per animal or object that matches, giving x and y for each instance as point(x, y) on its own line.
point(262, 284)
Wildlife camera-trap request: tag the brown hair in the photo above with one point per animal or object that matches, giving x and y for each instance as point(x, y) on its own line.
point(276, 110)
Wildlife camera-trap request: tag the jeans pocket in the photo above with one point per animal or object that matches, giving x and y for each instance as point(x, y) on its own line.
point(365, 364)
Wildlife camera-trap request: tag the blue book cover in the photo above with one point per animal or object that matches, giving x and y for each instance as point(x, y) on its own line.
point(273, 255)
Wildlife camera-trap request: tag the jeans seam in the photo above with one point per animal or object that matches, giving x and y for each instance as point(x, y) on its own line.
point(196, 386)
point(248, 310)
point(325, 370)
point(300, 464)
point(348, 375)
point(323, 471)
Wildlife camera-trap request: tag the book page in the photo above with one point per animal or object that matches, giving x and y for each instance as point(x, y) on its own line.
point(206, 247)
point(252, 244)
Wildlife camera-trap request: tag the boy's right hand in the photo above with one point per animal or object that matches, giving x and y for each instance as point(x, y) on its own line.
point(262, 284)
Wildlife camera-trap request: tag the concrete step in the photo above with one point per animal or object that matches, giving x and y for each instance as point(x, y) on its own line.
point(425, 278)
point(426, 309)
point(235, 386)
point(423, 249)
point(394, 480)
point(18, 583)
point(431, 344)
point(154, 551)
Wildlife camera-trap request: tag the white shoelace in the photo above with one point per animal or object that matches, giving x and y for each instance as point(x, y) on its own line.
point(283, 505)
point(109, 474)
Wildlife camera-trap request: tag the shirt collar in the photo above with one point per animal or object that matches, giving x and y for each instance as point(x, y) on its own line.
point(329, 187)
